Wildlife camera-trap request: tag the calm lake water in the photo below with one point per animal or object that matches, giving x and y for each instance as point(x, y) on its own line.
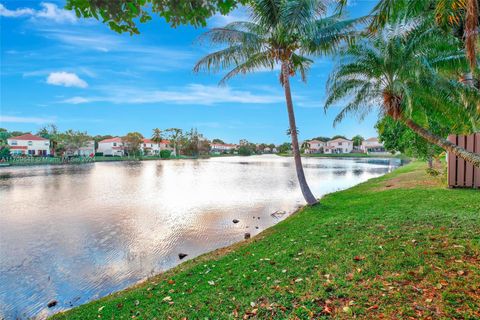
point(76, 233)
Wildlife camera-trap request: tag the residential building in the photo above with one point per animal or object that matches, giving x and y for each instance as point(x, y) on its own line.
point(29, 144)
point(111, 147)
point(221, 147)
point(150, 147)
point(87, 150)
point(315, 146)
point(166, 145)
point(339, 145)
point(373, 146)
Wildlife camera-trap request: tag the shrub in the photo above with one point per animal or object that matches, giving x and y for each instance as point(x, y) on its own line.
point(165, 154)
point(244, 151)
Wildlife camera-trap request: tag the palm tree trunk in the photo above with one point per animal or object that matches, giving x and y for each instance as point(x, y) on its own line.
point(471, 157)
point(307, 194)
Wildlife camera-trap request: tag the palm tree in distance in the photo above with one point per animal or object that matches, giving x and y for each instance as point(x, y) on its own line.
point(157, 137)
point(396, 69)
point(284, 33)
point(175, 135)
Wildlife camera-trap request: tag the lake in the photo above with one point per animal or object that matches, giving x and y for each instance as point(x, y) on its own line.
point(74, 233)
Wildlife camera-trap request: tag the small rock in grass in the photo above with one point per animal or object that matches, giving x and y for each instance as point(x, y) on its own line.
point(182, 255)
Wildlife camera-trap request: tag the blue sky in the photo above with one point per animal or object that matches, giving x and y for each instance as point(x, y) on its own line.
point(81, 75)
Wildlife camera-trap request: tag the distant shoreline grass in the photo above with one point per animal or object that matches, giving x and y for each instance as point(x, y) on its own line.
point(58, 161)
point(398, 246)
point(345, 155)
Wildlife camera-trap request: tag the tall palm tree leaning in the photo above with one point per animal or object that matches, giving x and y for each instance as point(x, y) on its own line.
point(157, 137)
point(397, 70)
point(281, 32)
point(460, 14)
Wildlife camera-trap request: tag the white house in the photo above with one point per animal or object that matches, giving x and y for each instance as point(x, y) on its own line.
point(29, 144)
point(111, 147)
point(166, 145)
point(221, 147)
point(339, 145)
point(373, 146)
point(315, 146)
point(150, 147)
point(87, 150)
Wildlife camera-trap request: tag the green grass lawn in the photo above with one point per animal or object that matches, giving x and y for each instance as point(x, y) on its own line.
point(394, 247)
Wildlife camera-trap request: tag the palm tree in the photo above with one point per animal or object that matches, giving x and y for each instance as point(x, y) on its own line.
point(157, 136)
point(284, 33)
point(396, 70)
point(175, 136)
point(463, 15)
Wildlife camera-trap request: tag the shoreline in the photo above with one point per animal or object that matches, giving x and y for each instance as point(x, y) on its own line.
point(58, 161)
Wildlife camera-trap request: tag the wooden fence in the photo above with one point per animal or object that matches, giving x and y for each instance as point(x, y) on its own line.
point(462, 174)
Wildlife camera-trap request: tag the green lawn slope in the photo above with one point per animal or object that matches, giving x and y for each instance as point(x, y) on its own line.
point(394, 247)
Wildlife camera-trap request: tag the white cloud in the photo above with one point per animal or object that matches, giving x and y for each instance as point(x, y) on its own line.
point(76, 100)
point(66, 79)
point(49, 11)
point(219, 20)
point(25, 119)
point(193, 94)
point(4, 12)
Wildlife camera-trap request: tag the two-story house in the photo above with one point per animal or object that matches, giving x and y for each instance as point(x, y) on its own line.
point(29, 144)
point(373, 145)
point(150, 147)
point(111, 147)
point(221, 147)
point(339, 145)
point(315, 146)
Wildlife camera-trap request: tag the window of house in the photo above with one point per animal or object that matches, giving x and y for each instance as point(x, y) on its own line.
point(339, 143)
point(30, 143)
point(114, 144)
point(14, 142)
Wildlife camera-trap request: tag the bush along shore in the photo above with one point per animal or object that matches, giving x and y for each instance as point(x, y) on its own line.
point(396, 247)
point(32, 161)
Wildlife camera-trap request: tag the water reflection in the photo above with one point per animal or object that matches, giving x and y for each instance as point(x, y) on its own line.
point(76, 233)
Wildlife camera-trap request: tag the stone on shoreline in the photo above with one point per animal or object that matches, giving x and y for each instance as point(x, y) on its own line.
point(182, 255)
point(247, 235)
point(236, 221)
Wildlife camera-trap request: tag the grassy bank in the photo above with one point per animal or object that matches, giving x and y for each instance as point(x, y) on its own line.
point(395, 247)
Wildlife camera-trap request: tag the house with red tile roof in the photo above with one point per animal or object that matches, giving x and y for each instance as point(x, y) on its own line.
point(373, 146)
point(315, 146)
point(29, 144)
point(222, 147)
point(339, 145)
point(111, 147)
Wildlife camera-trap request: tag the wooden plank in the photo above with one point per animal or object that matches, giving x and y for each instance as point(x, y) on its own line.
point(477, 170)
point(470, 146)
point(461, 164)
point(452, 164)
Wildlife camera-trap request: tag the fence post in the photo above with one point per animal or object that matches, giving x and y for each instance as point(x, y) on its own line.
point(452, 164)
